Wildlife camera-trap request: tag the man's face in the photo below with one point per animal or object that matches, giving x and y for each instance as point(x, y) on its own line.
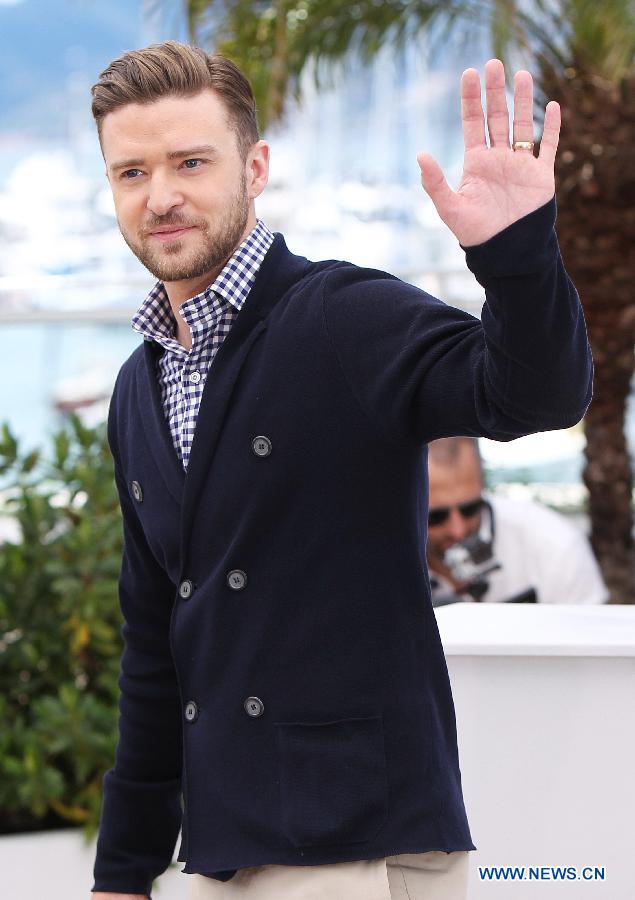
point(451, 485)
point(182, 192)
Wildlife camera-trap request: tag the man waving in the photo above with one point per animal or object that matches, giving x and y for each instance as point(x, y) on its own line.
point(284, 695)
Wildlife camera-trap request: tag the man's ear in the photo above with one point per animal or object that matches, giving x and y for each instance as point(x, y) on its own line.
point(257, 166)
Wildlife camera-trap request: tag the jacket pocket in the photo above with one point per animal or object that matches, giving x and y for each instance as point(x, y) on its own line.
point(333, 786)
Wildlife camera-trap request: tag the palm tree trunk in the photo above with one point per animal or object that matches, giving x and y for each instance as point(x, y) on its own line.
point(596, 228)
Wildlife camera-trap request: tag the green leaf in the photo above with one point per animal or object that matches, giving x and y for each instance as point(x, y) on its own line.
point(58, 681)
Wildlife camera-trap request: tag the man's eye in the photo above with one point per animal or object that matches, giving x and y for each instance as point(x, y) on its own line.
point(129, 174)
point(192, 163)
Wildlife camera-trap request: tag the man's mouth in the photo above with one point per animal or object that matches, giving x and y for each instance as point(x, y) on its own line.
point(171, 232)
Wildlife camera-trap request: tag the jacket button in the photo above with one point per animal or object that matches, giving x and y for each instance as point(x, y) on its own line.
point(261, 445)
point(137, 493)
point(254, 707)
point(191, 711)
point(237, 579)
point(186, 589)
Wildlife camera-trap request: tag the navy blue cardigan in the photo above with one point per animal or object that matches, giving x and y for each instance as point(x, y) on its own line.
point(284, 694)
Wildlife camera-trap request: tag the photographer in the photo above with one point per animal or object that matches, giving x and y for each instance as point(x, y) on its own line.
point(491, 548)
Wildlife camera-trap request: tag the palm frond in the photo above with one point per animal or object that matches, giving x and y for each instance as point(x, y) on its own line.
point(274, 41)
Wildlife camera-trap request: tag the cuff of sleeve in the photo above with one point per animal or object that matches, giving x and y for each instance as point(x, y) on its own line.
point(523, 248)
point(137, 834)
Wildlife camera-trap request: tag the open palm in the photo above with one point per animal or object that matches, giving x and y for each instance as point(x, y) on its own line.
point(499, 185)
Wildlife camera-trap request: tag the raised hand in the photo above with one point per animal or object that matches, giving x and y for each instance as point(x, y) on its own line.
point(499, 184)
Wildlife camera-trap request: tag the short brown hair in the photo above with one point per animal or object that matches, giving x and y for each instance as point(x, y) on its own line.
point(175, 69)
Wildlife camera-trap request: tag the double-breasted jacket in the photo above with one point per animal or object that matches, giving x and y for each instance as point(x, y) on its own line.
point(284, 693)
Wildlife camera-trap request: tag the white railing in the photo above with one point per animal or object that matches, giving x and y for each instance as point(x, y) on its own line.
point(66, 295)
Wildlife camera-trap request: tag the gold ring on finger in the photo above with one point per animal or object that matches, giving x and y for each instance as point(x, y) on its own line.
point(523, 145)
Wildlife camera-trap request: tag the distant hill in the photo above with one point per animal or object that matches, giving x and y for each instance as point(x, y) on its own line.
point(51, 51)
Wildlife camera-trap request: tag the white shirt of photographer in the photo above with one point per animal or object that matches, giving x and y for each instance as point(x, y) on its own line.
point(540, 548)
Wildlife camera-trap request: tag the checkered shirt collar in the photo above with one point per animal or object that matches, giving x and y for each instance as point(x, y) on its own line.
point(154, 319)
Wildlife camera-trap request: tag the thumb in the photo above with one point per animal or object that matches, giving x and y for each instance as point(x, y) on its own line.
point(435, 185)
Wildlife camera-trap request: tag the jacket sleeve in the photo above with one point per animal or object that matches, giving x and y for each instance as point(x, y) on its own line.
point(141, 812)
point(423, 370)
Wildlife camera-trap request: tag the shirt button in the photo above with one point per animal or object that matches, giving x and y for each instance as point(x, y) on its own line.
point(191, 711)
point(254, 707)
point(137, 493)
point(236, 579)
point(261, 445)
point(186, 589)
point(195, 377)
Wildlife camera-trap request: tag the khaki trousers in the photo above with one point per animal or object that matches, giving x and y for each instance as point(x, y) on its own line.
point(409, 876)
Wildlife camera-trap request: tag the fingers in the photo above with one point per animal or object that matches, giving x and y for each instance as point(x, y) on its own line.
point(523, 107)
point(550, 132)
point(436, 186)
point(472, 110)
point(497, 114)
point(496, 99)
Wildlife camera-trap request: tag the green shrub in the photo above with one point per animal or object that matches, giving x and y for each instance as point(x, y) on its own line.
point(59, 629)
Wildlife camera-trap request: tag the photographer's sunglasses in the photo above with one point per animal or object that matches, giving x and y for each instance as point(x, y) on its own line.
point(439, 514)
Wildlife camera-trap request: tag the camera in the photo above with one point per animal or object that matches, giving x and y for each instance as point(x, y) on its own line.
point(470, 562)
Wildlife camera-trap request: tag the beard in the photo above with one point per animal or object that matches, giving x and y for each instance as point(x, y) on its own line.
point(214, 244)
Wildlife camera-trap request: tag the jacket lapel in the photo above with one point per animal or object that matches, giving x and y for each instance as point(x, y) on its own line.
point(155, 424)
point(278, 271)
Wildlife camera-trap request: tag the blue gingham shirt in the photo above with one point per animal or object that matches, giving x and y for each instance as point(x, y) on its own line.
point(182, 373)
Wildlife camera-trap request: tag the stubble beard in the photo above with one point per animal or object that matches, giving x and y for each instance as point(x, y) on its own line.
point(168, 261)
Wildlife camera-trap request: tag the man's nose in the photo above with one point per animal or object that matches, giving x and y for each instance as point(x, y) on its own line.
point(163, 195)
point(457, 527)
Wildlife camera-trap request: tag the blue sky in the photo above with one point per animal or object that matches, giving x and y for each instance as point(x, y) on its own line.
point(50, 49)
